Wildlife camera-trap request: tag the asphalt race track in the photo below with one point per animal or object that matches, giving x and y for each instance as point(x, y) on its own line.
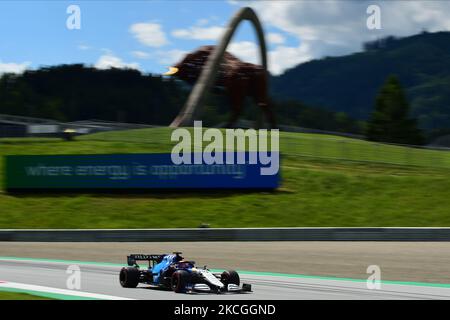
point(103, 279)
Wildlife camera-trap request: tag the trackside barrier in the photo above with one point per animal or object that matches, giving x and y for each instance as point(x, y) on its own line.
point(226, 234)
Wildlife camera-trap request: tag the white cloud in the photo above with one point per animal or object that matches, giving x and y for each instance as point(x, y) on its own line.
point(170, 57)
point(275, 38)
point(106, 50)
point(108, 61)
point(279, 59)
point(149, 34)
point(140, 54)
point(202, 22)
point(83, 47)
point(199, 33)
point(328, 28)
point(284, 57)
point(245, 50)
point(12, 67)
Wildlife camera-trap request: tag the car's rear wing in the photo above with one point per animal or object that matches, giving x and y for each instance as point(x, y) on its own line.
point(133, 258)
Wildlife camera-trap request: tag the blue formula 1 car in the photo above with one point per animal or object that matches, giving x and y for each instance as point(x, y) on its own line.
point(171, 271)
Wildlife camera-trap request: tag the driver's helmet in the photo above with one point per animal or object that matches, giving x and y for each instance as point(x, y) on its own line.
point(184, 264)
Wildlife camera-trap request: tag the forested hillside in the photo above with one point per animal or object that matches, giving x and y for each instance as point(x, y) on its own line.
point(77, 92)
point(350, 83)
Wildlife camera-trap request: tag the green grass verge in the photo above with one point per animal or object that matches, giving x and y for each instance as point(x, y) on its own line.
point(6, 295)
point(376, 185)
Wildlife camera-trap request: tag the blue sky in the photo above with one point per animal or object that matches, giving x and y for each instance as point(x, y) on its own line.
point(35, 32)
point(151, 35)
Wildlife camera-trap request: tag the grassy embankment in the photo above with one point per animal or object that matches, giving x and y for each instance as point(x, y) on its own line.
point(378, 185)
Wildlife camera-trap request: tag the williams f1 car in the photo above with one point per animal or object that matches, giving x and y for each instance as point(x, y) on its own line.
point(171, 271)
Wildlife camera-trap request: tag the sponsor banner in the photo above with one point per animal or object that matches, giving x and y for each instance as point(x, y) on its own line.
point(130, 171)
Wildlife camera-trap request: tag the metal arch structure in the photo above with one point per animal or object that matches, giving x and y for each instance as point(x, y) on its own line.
point(209, 73)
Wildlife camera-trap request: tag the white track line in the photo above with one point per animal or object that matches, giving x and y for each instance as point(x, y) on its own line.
point(74, 293)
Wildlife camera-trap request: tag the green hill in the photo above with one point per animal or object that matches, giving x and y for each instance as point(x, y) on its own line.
point(350, 83)
point(326, 181)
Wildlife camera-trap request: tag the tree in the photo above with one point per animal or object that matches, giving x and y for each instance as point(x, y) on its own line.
point(390, 120)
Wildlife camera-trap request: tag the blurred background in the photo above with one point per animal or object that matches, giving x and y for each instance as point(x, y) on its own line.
point(361, 95)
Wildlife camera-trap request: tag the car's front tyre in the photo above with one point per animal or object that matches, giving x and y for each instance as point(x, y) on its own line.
point(230, 277)
point(129, 277)
point(180, 279)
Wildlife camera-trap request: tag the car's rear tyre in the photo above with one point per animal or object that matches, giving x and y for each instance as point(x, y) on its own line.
point(230, 277)
point(180, 279)
point(129, 277)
